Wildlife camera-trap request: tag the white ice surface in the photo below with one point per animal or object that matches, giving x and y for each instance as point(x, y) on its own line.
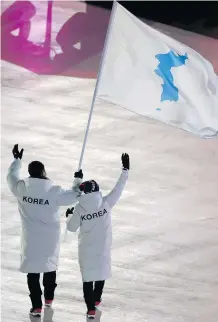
point(165, 226)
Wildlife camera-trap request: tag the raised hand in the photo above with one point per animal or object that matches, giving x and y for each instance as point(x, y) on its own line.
point(16, 152)
point(125, 161)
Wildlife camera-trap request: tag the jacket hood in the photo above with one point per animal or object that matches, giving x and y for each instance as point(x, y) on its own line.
point(35, 184)
point(91, 201)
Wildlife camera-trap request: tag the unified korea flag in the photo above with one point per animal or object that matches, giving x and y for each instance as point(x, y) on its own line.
point(151, 74)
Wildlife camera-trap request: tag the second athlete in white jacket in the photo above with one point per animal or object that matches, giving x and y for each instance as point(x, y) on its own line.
point(92, 216)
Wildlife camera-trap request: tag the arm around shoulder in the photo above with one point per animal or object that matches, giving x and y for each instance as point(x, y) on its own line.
point(69, 197)
point(66, 197)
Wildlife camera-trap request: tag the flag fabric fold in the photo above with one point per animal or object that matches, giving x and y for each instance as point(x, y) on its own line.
point(153, 75)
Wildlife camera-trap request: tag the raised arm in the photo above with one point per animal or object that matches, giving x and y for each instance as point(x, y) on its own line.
point(13, 176)
point(113, 197)
point(115, 194)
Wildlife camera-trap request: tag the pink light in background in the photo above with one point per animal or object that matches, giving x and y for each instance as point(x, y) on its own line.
point(67, 38)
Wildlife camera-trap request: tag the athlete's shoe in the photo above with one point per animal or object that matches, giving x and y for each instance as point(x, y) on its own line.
point(36, 312)
point(91, 314)
point(97, 303)
point(48, 303)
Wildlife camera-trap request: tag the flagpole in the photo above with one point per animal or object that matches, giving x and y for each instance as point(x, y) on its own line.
point(47, 44)
point(97, 82)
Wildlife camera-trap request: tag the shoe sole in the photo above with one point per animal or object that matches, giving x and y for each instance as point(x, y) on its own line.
point(37, 315)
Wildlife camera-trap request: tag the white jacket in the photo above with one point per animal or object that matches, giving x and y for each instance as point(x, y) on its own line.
point(38, 204)
point(92, 215)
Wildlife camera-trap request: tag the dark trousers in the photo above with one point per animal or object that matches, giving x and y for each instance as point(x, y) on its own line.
point(92, 295)
point(49, 283)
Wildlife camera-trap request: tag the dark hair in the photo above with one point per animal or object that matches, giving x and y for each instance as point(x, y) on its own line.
point(89, 186)
point(36, 169)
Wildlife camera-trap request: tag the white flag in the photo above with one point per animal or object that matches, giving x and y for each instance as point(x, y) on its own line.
point(151, 74)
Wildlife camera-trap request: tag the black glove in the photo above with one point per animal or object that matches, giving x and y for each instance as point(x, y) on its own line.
point(78, 174)
point(16, 152)
point(69, 211)
point(125, 161)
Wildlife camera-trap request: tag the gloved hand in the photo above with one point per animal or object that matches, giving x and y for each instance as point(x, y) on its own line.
point(16, 152)
point(125, 161)
point(78, 174)
point(69, 211)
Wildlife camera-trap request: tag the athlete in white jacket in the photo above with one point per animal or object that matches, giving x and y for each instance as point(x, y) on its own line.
point(38, 203)
point(92, 216)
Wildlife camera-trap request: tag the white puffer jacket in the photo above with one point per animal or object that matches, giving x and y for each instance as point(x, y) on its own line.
point(92, 215)
point(38, 204)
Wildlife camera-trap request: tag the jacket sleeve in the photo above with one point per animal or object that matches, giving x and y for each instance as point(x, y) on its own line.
point(113, 197)
point(73, 221)
point(13, 176)
point(69, 197)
